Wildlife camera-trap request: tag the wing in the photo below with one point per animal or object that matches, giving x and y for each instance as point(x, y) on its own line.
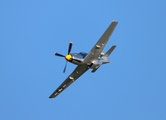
point(80, 69)
point(99, 46)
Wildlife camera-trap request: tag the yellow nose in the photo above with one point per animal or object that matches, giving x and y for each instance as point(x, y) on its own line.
point(68, 57)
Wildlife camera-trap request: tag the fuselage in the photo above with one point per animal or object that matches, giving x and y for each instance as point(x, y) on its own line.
point(78, 58)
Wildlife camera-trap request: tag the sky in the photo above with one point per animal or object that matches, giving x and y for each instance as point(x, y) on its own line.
point(131, 87)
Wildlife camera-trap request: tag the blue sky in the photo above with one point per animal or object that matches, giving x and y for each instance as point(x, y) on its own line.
point(131, 87)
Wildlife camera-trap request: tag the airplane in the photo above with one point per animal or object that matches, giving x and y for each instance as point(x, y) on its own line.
point(84, 61)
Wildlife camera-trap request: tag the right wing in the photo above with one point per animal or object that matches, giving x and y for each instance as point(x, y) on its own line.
point(80, 69)
point(99, 46)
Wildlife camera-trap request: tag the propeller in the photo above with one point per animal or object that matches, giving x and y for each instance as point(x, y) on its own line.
point(70, 46)
point(64, 70)
point(57, 54)
point(68, 57)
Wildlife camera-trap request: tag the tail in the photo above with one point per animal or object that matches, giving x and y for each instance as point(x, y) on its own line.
point(110, 51)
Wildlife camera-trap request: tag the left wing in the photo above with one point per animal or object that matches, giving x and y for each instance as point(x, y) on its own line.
point(80, 69)
point(99, 46)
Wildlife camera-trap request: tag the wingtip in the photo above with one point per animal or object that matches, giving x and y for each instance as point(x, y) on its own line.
point(51, 97)
point(54, 53)
point(115, 21)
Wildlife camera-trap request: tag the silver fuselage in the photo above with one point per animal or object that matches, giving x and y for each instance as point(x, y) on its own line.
point(78, 58)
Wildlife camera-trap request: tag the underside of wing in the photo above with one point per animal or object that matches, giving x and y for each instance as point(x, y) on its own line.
point(79, 70)
point(99, 46)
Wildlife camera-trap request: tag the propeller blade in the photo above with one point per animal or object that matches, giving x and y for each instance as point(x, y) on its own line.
point(65, 67)
point(60, 55)
point(70, 46)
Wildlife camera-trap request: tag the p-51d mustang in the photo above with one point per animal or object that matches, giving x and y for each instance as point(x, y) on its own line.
point(84, 61)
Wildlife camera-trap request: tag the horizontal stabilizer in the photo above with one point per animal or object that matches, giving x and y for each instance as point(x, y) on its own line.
point(94, 70)
point(110, 50)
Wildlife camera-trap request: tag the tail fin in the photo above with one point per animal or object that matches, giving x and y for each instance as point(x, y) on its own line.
point(110, 50)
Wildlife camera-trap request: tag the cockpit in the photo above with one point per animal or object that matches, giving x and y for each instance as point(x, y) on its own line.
point(79, 56)
point(83, 54)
